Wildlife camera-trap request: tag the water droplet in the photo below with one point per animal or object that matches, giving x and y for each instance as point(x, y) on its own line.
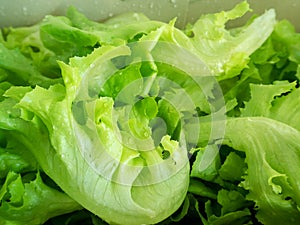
point(25, 11)
point(92, 65)
point(130, 141)
point(136, 16)
point(110, 14)
point(105, 105)
point(174, 3)
point(146, 134)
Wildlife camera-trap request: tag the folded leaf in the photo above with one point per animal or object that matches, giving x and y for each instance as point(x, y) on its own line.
point(271, 179)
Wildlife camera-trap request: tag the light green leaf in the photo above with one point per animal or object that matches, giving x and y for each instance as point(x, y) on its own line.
point(265, 95)
point(207, 163)
point(88, 158)
point(271, 166)
point(228, 52)
point(22, 202)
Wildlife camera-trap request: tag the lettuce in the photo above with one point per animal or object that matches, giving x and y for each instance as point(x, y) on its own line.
point(134, 121)
point(259, 153)
point(25, 190)
point(227, 51)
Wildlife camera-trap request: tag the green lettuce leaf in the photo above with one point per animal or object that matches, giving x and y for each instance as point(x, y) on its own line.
point(20, 70)
point(28, 41)
point(286, 41)
point(277, 102)
point(274, 61)
point(13, 157)
point(110, 179)
point(25, 191)
point(271, 179)
point(271, 113)
point(118, 107)
point(227, 51)
point(22, 201)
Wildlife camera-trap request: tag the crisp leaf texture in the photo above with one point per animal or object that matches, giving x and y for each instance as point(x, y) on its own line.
point(271, 177)
point(21, 202)
point(228, 52)
point(271, 142)
point(135, 121)
point(90, 164)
